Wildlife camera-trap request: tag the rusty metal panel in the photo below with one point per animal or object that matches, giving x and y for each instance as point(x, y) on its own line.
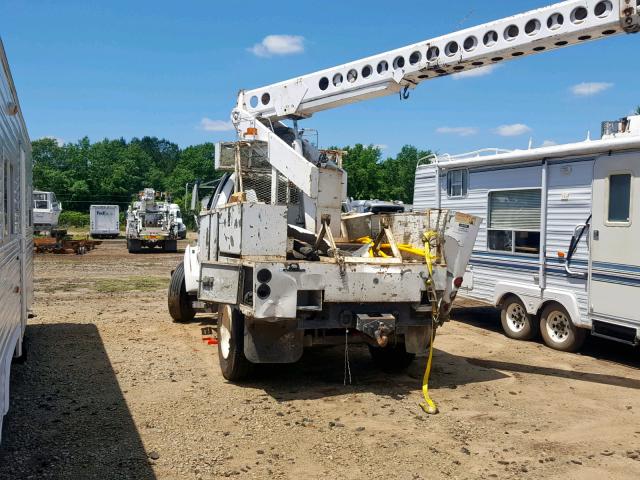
point(219, 283)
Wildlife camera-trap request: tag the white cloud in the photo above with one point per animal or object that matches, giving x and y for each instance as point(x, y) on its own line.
point(59, 141)
point(381, 146)
point(278, 45)
point(209, 125)
point(476, 72)
point(460, 131)
point(549, 143)
point(587, 89)
point(512, 130)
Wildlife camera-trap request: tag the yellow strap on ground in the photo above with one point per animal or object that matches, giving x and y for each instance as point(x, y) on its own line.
point(429, 406)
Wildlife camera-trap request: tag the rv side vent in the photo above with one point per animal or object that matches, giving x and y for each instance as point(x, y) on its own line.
point(614, 332)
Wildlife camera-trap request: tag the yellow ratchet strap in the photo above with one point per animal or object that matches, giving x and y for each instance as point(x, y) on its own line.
point(428, 256)
point(428, 406)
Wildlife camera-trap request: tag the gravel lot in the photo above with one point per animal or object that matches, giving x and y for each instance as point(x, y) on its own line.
point(113, 389)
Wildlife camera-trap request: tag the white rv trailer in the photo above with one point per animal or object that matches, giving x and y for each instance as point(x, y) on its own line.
point(46, 211)
point(16, 229)
point(104, 221)
point(558, 251)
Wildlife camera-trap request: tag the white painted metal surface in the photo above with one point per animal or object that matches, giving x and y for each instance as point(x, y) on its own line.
point(104, 220)
point(576, 186)
point(615, 256)
point(16, 229)
point(556, 26)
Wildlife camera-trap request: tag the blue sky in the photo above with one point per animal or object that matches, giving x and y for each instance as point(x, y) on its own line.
point(172, 69)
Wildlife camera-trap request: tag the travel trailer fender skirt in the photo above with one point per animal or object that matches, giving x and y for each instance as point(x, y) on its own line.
point(534, 299)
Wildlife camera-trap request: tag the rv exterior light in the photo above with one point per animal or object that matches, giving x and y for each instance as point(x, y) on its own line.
point(11, 108)
point(458, 282)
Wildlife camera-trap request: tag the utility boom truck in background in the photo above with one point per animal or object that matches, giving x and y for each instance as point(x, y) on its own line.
point(151, 223)
point(275, 258)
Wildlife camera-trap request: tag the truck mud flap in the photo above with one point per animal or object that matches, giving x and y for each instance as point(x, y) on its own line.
point(273, 342)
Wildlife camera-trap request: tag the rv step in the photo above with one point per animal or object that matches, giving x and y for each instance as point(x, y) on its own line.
point(614, 332)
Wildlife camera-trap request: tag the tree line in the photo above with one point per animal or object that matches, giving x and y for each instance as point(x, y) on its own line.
point(114, 171)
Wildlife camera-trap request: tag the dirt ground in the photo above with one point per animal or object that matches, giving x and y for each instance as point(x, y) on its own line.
point(113, 389)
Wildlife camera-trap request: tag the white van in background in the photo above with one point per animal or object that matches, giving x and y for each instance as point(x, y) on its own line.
point(104, 221)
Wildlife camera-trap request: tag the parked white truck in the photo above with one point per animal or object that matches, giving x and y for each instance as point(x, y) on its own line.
point(150, 224)
point(104, 221)
point(269, 259)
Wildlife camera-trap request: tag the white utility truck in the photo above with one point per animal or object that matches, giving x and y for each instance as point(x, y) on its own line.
point(274, 257)
point(46, 211)
point(558, 251)
point(151, 223)
point(16, 230)
point(104, 221)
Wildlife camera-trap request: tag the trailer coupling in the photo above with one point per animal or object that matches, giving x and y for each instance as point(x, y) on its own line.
point(378, 326)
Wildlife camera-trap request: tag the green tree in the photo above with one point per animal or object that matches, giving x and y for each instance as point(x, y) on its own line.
point(398, 174)
point(364, 171)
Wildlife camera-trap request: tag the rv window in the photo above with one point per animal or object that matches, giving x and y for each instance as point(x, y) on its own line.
point(457, 181)
point(514, 221)
point(619, 197)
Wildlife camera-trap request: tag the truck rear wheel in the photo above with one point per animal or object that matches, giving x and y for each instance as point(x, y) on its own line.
point(516, 322)
point(180, 307)
point(233, 364)
point(558, 331)
point(133, 245)
point(170, 246)
point(391, 358)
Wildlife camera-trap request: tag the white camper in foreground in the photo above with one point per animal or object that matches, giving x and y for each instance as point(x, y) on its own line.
point(104, 221)
point(16, 230)
point(558, 251)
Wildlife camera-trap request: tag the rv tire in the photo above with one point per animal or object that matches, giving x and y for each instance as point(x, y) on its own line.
point(558, 330)
point(516, 322)
point(233, 363)
point(180, 307)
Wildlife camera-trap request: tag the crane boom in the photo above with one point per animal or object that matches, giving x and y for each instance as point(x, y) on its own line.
point(556, 26)
point(258, 111)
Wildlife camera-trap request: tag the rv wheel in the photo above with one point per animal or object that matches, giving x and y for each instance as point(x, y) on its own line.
point(558, 331)
point(180, 307)
point(391, 358)
point(516, 322)
point(233, 363)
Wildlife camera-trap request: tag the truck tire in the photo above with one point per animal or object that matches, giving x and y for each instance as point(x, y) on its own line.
point(133, 245)
point(170, 246)
point(233, 364)
point(391, 358)
point(180, 307)
point(558, 331)
point(516, 322)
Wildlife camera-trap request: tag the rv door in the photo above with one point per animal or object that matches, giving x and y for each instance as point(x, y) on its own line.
point(615, 256)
